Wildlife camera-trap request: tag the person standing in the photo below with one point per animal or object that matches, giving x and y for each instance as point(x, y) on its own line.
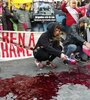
point(6, 16)
point(73, 12)
point(23, 17)
point(1, 15)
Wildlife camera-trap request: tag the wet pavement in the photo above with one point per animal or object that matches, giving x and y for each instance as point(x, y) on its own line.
point(21, 80)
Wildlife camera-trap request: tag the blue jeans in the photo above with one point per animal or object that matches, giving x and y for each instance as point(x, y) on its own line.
point(70, 49)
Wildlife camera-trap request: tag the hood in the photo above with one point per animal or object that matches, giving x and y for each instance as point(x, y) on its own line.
point(84, 20)
point(51, 27)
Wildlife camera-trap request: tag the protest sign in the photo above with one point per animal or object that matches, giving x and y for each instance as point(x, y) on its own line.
point(16, 44)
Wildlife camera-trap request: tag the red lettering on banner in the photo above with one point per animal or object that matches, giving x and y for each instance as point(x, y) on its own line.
point(5, 37)
point(12, 37)
point(20, 50)
point(9, 38)
point(11, 42)
point(31, 40)
point(12, 51)
point(4, 48)
point(28, 54)
point(21, 39)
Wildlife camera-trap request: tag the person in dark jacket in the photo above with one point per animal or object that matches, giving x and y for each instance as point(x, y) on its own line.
point(7, 16)
point(48, 46)
point(76, 38)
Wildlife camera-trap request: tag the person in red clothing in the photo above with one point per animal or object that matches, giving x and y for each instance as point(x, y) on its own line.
point(73, 12)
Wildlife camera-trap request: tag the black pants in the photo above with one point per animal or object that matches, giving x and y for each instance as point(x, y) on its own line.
point(83, 56)
point(42, 55)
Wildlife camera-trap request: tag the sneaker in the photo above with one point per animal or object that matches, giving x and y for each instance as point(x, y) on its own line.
point(39, 64)
point(50, 64)
point(66, 62)
point(77, 57)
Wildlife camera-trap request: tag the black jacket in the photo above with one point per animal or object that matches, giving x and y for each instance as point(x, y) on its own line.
point(75, 36)
point(47, 41)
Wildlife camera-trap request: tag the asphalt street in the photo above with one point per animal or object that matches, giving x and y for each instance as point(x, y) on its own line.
point(27, 67)
point(8, 69)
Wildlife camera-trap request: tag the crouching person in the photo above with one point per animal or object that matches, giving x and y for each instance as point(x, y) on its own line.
point(48, 46)
point(76, 38)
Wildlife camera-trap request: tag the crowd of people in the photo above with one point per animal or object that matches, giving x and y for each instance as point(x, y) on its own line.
point(16, 19)
point(21, 19)
point(70, 19)
point(48, 46)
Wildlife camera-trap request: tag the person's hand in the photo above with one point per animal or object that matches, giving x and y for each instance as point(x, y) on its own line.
point(63, 56)
point(67, 1)
point(87, 44)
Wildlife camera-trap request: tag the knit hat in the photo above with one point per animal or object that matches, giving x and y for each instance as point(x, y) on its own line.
point(84, 20)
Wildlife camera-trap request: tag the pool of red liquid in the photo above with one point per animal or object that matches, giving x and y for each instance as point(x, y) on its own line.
point(43, 86)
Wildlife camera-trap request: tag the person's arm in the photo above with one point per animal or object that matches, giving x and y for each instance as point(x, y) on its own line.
point(8, 13)
point(82, 11)
point(73, 32)
point(17, 15)
point(46, 45)
point(63, 7)
point(78, 38)
point(87, 44)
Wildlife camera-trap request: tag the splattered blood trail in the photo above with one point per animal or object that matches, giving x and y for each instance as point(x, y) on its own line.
point(42, 86)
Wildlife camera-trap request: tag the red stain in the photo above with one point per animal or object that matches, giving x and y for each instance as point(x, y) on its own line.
point(43, 86)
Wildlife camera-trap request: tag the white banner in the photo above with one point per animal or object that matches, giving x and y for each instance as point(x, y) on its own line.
point(17, 44)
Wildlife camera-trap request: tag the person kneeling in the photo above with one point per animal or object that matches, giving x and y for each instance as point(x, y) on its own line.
point(48, 46)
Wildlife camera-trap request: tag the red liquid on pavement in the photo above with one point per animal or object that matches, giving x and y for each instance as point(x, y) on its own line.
point(43, 86)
